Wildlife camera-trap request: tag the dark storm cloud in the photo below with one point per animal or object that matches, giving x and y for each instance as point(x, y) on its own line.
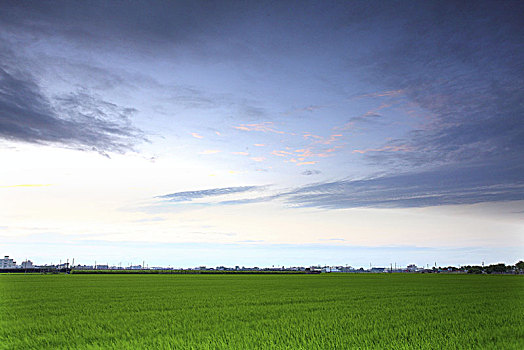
point(190, 195)
point(76, 120)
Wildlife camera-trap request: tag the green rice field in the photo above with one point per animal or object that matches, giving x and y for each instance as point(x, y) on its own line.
point(328, 311)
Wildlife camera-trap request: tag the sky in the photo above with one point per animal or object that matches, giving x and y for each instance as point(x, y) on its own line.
point(261, 133)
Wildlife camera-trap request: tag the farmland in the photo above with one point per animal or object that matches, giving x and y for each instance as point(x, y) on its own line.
point(261, 311)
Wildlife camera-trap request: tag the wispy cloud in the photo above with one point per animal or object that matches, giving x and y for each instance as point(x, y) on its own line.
point(188, 196)
point(442, 186)
point(389, 148)
point(263, 127)
point(196, 135)
point(311, 172)
point(380, 94)
point(371, 116)
point(310, 109)
point(281, 153)
point(241, 153)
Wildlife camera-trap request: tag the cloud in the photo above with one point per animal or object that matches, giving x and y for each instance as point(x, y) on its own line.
point(263, 127)
point(190, 195)
point(388, 148)
point(77, 120)
point(441, 186)
point(281, 153)
point(449, 185)
point(241, 153)
point(466, 74)
point(371, 116)
point(311, 172)
point(196, 135)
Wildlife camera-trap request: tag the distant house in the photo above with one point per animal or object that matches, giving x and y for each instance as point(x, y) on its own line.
point(7, 263)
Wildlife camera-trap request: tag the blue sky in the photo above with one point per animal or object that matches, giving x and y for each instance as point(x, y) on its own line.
point(194, 132)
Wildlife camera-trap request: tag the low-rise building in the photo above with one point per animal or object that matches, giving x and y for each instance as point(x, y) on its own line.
point(7, 263)
point(28, 264)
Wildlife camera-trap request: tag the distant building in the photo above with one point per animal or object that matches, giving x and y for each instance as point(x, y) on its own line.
point(412, 268)
point(102, 267)
point(28, 264)
point(7, 263)
point(378, 269)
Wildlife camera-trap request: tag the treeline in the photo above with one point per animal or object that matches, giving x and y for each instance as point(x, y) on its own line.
point(494, 268)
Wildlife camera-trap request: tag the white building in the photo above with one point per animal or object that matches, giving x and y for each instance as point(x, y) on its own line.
point(28, 264)
point(7, 263)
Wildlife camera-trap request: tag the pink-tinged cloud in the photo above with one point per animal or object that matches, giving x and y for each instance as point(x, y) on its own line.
point(401, 148)
point(210, 151)
point(322, 140)
point(241, 153)
point(263, 127)
point(309, 135)
point(308, 163)
point(259, 145)
point(218, 133)
point(304, 152)
point(258, 159)
point(280, 153)
point(196, 135)
point(332, 138)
